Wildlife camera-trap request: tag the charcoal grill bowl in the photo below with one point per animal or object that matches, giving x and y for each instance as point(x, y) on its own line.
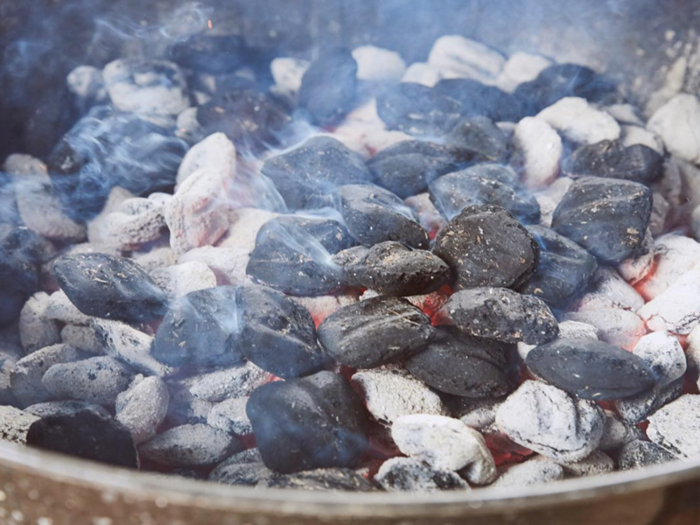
point(626, 37)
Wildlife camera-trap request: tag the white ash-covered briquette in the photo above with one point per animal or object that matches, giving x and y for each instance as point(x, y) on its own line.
point(36, 331)
point(676, 310)
point(539, 148)
point(567, 330)
point(230, 416)
point(536, 471)
point(610, 291)
point(422, 73)
point(228, 264)
point(15, 424)
point(675, 427)
point(323, 479)
point(639, 454)
point(445, 444)
point(617, 433)
point(459, 57)
point(142, 407)
point(674, 255)
point(633, 134)
point(180, 279)
point(634, 269)
point(216, 386)
point(615, 326)
point(136, 222)
point(579, 121)
point(188, 127)
point(378, 64)
point(157, 258)
point(216, 152)
point(479, 414)
point(426, 212)
point(594, 465)
point(287, 72)
point(519, 68)
point(245, 468)
point(676, 123)
point(244, 225)
point(413, 475)
point(96, 227)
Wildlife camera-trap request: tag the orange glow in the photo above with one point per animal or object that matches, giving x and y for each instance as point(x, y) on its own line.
point(210, 24)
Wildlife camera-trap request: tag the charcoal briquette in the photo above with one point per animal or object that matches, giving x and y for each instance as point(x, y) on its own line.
point(478, 139)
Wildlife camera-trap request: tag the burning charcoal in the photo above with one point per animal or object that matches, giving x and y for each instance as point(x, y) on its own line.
point(228, 264)
point(445, 444)
point(8, 359)
point(331, 234)
point(15, 424)
point(373, 215)
point(417, 110)
point(673, 255)
point(142, 408)
point(485, 245)
point(109, 287)
point(563, 270)
point(456, 57)
point(87, 84)
point(244, 227)
point(215, 54)
point(639, 266)
point(407, 174)
point(591, 369)
point(611, 159)
point(327, 480)
point(567, 330)
point(293, 411)
point(180, 279)
point(276, 333)
point(461, 365)
point(412, 475)
point(550, 422)
point(184, 408)
point(126, 343)
point(190, 446)
point(580, 122)
point(230, 416)
point(288, 73)
point(520, 68)
point(375, 332)
point(216, 152)
point(594, 465)
point(484, 184)
point(636, 409)
point(478, 99)
point(639, 454)
point(634, 134)
point(143, 86)
point(245, 468)
point(566, 80)
point(35, 330)
point(19, 272)
point(478, 140)
point(187, 126)
point(97, 380)
point(608, 217)
point(378, 64)
point(675, 124)
point(615, 326)
point(391, 394)
point(328, 88)
point(425, 211)
point(97, 231)
point(197, 215)
point(617, 433)
point(394, 269)
point(137, 221)
point(607, 290)
point(62, 408)
point(199, 329)
point(538, 147)
point(289, 258)
point(502, 315)
point(251, 120)
point(27, 373)
point(216, 386)
point(675, 427)
point(42, 212)
point(536, 471)
point(308, 174)
point(676, 310)
point(86, 434)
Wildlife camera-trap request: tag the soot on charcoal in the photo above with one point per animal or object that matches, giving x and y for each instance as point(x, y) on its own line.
point(307, 175)
point(200, 329)
point(484, 184)
point(478, 140)
point(276, 333)
point(330, 233)
point(591, 369)
point(303, 424)
point(214, 54)
point(485, 245)
point(478, 99)
point(375, 331)
point(110, 287)
point(373, 215)
point(461, 365)
point(392, 268)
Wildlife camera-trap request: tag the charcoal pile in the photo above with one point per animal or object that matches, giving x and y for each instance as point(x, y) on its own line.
point(345, 274)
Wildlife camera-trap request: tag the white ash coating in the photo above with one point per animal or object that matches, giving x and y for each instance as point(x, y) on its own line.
point(378, 64)
point(693, 352)
point(142, 408)
point(676, 426)
point(637, 267)
point(36, 331)
point(179, 280)
point(23, 165)
point(216, 152)
point(97, 227)
point(625, 114)
point(230, 416)
point(184, 408)
point(245, 468)
point(15, 424)
point(567, 330)
point(244, 225)
point(519, 68)
point(594, 465)
point(136, 85)
point(237, 381)
point(188, 127)
point(188, 446)
point(615, 326)
point(390, 394)
point(8, 359)
point(425, 212)
point(459, 57)
point(412, 475)
point(80, 337)
point(96, 380)
point(42, 212)
point(447, 444)
point(617, 433)
point(540, 147)
point(677, 310)
point(677, 123)
point(579, 121)
point(124, 342)
point(86, 82)
point(28, 372)
point(288, 72)
point(136, 222)
point(674, 255)
point(322, 306)
point(197, 215)
point(156, 259)
point(695, 223)
point(633, 134)
point(422, 73)
point(610, 291)
point(228, 264)
point(536, 471)
point(549, 421)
